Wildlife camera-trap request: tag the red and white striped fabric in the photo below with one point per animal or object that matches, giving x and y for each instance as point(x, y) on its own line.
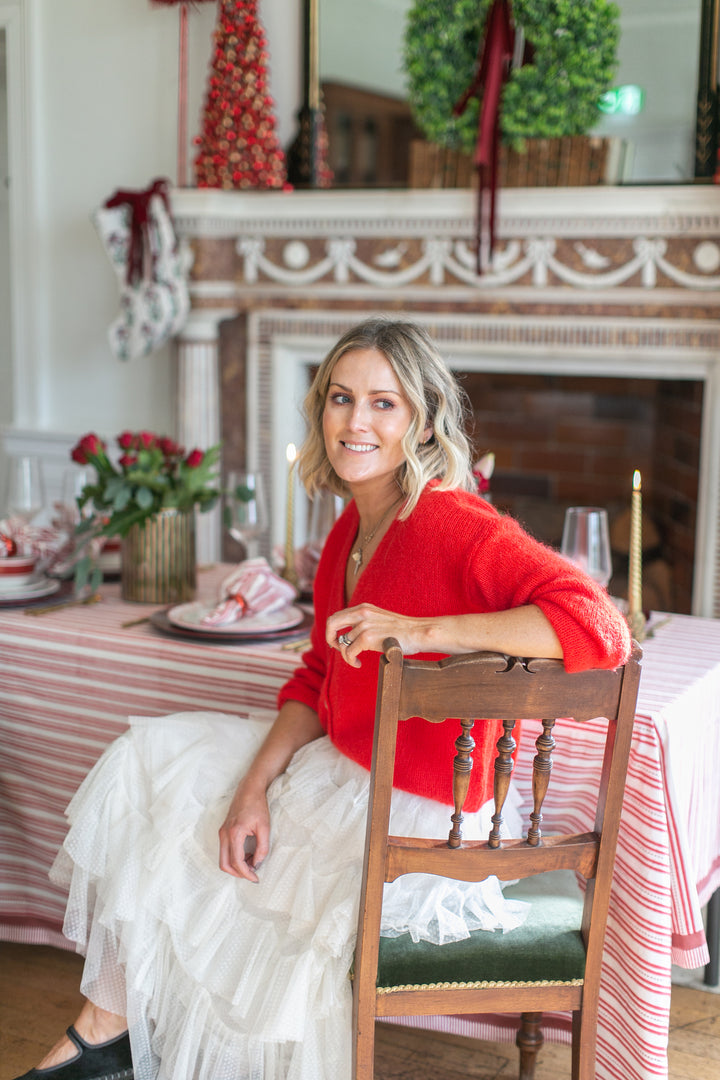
point(68, 682)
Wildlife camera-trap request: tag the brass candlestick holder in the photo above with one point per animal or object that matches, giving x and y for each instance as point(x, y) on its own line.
point(637, 624)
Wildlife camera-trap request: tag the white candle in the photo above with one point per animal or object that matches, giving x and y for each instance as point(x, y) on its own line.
point(290, 575)
point(635, 564)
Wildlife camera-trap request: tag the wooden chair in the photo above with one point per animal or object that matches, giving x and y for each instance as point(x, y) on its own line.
point(553, 961)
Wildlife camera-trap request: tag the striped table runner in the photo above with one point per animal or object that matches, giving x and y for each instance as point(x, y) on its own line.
point(69, 680)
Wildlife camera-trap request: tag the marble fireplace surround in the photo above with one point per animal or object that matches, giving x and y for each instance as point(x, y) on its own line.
point(596, 281)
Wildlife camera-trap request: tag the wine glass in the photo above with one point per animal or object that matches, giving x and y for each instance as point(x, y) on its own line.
point(325, 509)
point(24, 487)
point(74, 479)
point(586, 541)
point(245, 509)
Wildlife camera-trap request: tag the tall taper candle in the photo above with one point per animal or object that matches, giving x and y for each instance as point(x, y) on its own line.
point(290, 573)
point(635, 565)
point(636, 618)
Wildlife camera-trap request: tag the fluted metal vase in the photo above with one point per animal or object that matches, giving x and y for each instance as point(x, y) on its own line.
point(158, 559)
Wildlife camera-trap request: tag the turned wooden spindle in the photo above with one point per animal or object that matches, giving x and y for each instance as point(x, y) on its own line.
point(528, 1040)
point(462, 767)
point(503, 771)
point(542, 766)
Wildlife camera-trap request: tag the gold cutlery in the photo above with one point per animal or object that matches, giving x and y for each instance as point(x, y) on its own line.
point(95, 598)
point(296, 646)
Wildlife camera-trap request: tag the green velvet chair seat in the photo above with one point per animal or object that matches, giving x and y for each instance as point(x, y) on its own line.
point(548, 947)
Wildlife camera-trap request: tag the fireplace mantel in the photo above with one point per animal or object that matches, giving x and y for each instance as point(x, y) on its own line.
point(411, 243)
point(584, 280)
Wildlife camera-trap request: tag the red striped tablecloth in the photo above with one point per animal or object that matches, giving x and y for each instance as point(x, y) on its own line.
point(69, 680)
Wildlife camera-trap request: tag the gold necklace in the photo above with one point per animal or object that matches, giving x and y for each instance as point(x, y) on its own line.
point(358, 554)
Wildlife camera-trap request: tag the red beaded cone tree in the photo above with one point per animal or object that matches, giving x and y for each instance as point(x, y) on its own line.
point(239, 147)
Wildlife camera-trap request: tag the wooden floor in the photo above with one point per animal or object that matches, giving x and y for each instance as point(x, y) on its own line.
point(39, 998)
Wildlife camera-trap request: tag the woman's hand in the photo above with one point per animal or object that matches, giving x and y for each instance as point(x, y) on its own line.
point(245, 833)
point(367, 626)
point(520, 631)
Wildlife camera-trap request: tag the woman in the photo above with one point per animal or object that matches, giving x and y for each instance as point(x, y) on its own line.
point(243, 974)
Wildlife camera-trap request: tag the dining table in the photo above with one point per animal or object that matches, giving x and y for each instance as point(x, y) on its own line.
point(72, 675)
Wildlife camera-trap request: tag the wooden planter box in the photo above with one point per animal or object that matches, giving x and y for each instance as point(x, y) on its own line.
point(568, 161)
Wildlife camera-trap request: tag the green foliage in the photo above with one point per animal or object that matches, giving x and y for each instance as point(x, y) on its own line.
point(575, 56)
point(147, 479)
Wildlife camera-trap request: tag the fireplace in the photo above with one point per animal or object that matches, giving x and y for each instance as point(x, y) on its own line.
point(592, 348)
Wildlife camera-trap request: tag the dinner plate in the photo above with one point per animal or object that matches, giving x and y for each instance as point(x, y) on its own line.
point(209, 635)
point(190, 616)
point(34, 590)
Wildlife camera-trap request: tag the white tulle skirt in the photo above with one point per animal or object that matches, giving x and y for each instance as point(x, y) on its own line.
point(220, 978)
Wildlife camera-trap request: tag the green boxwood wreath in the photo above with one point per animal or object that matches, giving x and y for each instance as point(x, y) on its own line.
point(575, 56)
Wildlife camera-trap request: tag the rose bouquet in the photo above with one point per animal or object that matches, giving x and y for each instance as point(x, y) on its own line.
point(152, 473)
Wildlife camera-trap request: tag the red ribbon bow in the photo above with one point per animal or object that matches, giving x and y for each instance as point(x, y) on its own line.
point(493, 68)
point(139, 203)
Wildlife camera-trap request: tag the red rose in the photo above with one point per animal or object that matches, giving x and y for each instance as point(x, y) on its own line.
point(126, 440)
point(195, 458)
point(146, 440)
point(169, 447)
point(89, 444)
point(127, 460)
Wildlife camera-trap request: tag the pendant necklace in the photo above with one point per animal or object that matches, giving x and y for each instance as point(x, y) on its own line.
point(358, 554)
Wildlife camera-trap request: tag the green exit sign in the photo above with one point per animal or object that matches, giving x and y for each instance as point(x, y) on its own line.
point(626, 100)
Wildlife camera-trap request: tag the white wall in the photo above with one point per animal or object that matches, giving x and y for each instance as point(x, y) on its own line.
point(100, 82)
point(6, 372)
point(360, 43)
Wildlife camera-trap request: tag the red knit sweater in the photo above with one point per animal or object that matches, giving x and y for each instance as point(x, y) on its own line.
point(453, 555)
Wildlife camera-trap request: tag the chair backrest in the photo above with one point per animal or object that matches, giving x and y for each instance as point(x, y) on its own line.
point(508, 689)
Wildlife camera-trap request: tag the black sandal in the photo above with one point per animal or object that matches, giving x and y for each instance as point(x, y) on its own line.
point(109, 1060)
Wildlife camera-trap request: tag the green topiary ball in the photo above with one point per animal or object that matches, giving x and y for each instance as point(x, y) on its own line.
point(575, 57)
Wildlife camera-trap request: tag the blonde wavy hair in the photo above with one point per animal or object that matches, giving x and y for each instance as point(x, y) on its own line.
point(436, 401)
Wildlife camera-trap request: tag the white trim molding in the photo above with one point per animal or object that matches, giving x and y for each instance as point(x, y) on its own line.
point(552, 239)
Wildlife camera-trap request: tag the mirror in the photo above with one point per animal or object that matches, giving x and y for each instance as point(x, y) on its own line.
point(659, 51)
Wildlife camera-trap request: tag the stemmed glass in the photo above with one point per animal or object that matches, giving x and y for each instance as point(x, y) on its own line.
point(586, 541)
point(245, 509)
point(74, 479)
point(24, 488)
point(325, 509)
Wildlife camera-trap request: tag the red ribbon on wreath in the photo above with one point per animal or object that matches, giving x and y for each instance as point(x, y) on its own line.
point(139, 203)
point(493, 68)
